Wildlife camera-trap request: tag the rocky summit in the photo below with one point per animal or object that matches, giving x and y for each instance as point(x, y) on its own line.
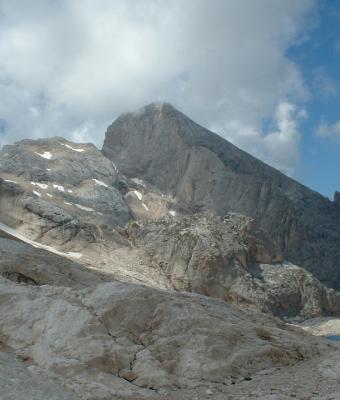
point(169, 265)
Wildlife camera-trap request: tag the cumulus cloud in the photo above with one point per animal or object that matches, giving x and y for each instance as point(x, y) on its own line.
point(279, 146)
point(70, 67)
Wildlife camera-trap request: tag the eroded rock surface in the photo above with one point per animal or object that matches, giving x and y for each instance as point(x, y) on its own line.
point(134, 342)
point(22, 263)
point(60, 193)
point(232, 259)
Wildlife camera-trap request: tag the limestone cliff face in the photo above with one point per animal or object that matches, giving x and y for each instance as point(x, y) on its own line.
point(203, 171)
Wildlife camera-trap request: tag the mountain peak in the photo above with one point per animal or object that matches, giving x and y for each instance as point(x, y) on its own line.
point(201, 170)
point(155, 109)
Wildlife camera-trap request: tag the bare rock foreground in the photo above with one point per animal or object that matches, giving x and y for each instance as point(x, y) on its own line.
point(92, 339)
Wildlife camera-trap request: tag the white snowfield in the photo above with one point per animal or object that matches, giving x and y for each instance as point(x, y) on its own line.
point(138, 194)
point(49, 195)
point(36, 193)
point(72, 148)
point(9, 181)
point(173, 213)
point(100, 183)
point(59, 187)
point(138, 182)
point(84, 208)
point(145, 206)
point(41, 185)
point(46, 155)
point(14, 233)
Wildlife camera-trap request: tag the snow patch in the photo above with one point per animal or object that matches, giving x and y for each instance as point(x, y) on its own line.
point(138, 182)
point(173, 213)
point(72, 148)
point(36, 193)
point(9, 181)
point(46, 155)
point(59, 187)
point(69, 190)
point(51, 249)
point(48, 169)
point(138, 194)
point(72, 254)
point(145, 206)
point(84, 208)
point(41, 185)
point(67, 203)
point(100, 183)
point(49, 195)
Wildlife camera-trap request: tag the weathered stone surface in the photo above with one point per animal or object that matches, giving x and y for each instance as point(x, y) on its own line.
point(20, 380)
point(232, 259)
point(74, 177)
point(60, 193)
point(161, 146)
point(56, 160)
point(22, 263)
point(132, 342)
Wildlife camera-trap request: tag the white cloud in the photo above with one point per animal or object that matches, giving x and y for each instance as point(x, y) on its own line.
point(278, 147)
point(329, 130)
point(70, 67)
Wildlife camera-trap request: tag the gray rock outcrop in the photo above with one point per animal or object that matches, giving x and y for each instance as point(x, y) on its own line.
point(60, 193)
point(230, 258)
point(202, 171)
point(23, 263)
point(80, 212)
point(133, 342)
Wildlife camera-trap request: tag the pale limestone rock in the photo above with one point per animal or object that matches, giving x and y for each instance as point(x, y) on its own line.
point(100, 339)
point(230, 258)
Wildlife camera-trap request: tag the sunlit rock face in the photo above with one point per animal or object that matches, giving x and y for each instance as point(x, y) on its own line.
point(60, 193)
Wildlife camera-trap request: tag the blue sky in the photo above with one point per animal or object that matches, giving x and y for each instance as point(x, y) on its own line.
point(263, 74)
point(319, 60)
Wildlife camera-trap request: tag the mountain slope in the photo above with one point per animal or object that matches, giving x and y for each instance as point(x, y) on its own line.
point(65, 330)
point(201, 170)
point(70, 200)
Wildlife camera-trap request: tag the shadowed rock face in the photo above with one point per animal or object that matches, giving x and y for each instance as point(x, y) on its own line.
point(203, 171)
